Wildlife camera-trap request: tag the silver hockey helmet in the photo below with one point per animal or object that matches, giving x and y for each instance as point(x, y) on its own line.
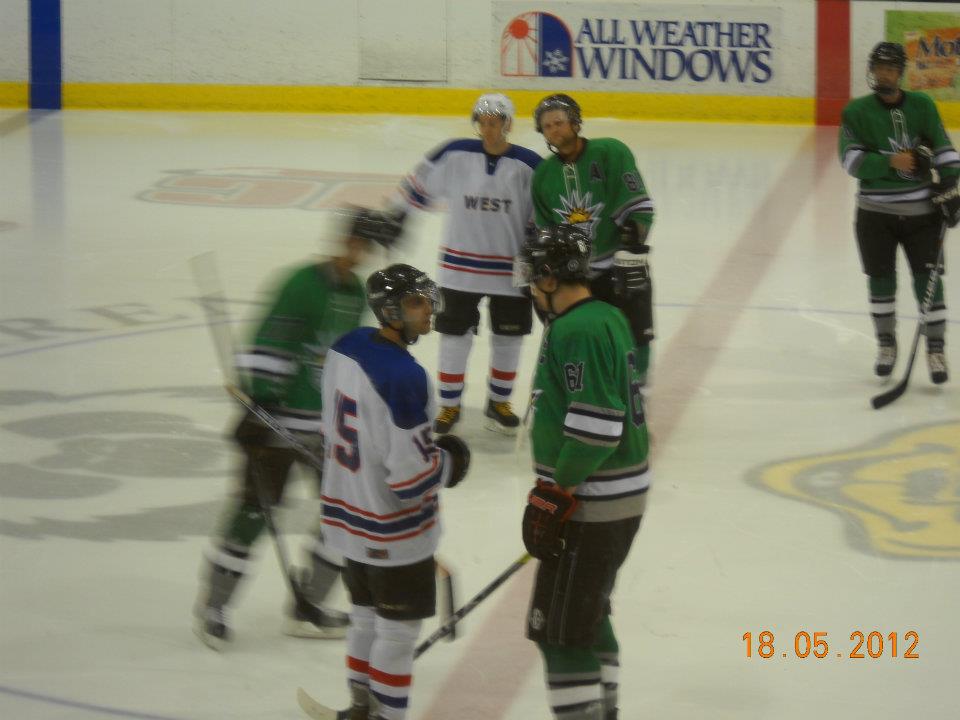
point(496, 104)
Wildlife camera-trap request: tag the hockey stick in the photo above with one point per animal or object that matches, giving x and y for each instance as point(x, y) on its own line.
point(885, 398)
point(449, 625)
point(207, 278)
point(318, 711)
point(448, 595)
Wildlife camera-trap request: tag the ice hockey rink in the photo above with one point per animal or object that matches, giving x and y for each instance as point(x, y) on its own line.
point(781, 501)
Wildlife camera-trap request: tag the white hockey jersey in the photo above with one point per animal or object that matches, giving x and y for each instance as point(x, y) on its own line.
point(489, 207)
point(382, 472)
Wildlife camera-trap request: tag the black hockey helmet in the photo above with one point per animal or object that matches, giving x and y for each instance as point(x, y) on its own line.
point(386, 289)
point(888, 53)
point(560, 251)
point(559, 101)
point(373, 226)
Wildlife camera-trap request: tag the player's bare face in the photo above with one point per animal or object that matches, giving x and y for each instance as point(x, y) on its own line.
point(886, 78)
point(558, 131)
point(417, 313)
point(540, 295)
point(355, 250)
point(492, 131)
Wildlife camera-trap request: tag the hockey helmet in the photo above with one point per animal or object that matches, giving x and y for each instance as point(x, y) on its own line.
point(496, 104)
point(373, 226)
point(387, 288)
point(888, 53)
point(560, 251)
point(559, 101)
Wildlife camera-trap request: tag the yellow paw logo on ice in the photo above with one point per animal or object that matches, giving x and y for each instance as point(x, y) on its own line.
point(900, 494)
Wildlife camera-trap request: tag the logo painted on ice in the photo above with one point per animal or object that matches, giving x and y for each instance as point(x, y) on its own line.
point(536, 44)
point(266, 187)
point(900, 494)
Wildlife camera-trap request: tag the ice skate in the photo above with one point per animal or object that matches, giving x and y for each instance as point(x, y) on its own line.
point(316, 622)
point(500, 418)
point(446, 419)
point(937, 363)
point(886, 359)
point(211, 626)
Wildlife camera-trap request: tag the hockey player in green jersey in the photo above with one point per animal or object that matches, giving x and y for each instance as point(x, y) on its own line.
point(282, 373)
point(590, 449)
point(595, 184)
point(894, 143)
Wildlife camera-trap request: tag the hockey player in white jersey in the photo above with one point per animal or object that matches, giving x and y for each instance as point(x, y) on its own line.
point(383, 473)
point(485, 183)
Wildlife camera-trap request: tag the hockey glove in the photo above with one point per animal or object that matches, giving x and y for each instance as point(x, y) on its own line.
point(251, 432)
point(631, 271)
point(631, 268)
point(548, 509)
point(922, 161)
point(946, 197)
point(459, 456)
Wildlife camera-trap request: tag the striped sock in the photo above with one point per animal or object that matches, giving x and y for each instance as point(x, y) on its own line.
point(883, 308)
point(454, 351)
point(504, 358)
point(359, 642)
point(574, 687)
point(391, 666)
point(936, 317)
point(609, 675)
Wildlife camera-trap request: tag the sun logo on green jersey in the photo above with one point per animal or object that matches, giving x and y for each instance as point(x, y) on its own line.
point(579, 209)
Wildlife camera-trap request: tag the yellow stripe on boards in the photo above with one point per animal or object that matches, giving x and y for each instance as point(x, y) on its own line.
point(14, 94)
point(429, 101)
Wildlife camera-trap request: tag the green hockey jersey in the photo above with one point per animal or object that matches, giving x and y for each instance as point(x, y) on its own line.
point(600, 190)
point(283, 369)
point(872, 131)
point(589, 431)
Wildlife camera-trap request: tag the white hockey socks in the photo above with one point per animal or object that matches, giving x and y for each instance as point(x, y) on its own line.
point(454, 351)
point(391, 666)
point(504, 359)
point(360, 636)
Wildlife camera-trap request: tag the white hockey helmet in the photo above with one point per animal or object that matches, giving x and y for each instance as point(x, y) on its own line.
point(494, 104)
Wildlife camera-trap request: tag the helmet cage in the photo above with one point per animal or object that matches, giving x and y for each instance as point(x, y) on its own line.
point(558, 101)
point(386, 290)
point(886, 53)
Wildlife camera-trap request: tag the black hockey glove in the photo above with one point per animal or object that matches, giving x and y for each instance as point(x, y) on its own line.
point(630, 264)
point(458, 454)
point(922, 161)
point(946, 197)
point(548, 509)
point(251, 432)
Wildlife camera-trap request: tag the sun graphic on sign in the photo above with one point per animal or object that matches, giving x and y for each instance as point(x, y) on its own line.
point(536, 44)
point(518, 46)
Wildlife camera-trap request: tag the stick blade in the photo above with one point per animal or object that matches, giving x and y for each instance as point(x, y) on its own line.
point(884, 399)
point(316, 710)
point(450, 603)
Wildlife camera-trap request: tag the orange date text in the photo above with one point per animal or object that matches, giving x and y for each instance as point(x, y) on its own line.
point(861, 645)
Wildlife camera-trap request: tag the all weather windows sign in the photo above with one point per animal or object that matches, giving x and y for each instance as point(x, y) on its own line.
point(659, 48)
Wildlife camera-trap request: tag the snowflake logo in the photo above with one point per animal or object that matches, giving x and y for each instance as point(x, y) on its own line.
point(580, 210)
point(556, 61)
